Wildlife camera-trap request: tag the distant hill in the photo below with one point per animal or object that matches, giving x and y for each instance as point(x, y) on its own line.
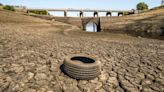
point(146, 24)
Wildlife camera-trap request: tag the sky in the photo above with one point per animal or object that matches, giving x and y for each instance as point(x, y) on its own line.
point(82, 4)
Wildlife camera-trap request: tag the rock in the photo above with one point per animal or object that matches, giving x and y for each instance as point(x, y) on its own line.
point(94, 80)
point(4, 86)
point(100, 90)
point(108, 88)
point(30, 90)
point(90, 86)
point(157, 87)
point(42, 90)
point(129, 78)
point(112, 74)
point(82, 82)
point(103, 77)
point(146, 82)
point(42, 69)
point(70, 88)
point(30, 67)
point(113, 81)
point(140, 75)
point(42, 83)
point(159, 80)
point(160, 67)
point(146, 89)
point(30, 75)
point(149, 76)
point(118, 89)
point(17, 68)
point(40, 76)
point(126, 85)
point(13, 87)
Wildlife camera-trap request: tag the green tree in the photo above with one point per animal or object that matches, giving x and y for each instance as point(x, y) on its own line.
point(1, 4)
point(8, 7)
point(142, 6)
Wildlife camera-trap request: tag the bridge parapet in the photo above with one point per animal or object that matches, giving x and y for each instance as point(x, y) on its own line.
point(81, 11)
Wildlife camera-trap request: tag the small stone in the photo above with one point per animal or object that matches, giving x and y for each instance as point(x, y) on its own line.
point(42, 68)
point(149, 76)
point(146, 82)
point(50, 91)
point(103, 77)
point(83, 82)
point(108, 88)
point(140, 75)
point(94, 80)
point(90, 86)
point(113, 81)
point(42, 90)
point(160, 67)
point(160, 80)
point(30, 90)
point(40, 76)
point(70, 88)
point(147, 89)
point(126, 85)
point(42, 82)
point(100, 90)
point(17, 68)
point(4, 86)
point(30, 75)
point(112, 74)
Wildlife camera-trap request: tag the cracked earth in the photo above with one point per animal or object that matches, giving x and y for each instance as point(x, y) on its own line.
point(31, 54)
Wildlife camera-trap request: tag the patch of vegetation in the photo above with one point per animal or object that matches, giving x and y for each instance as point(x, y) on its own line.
point(40, 12)
point(142, 6)
point(126, 13)
point(1, 4)
point(8, 7)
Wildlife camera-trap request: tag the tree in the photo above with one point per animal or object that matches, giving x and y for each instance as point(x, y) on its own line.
point(142, 6)
point(1, 4)
point(8, 7)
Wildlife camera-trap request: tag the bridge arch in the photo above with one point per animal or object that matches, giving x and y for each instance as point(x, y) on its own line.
point(95, 14)
point(91, 23)
point(91, 27)
point(120, 14)
point(108, 13)
point(81, 14)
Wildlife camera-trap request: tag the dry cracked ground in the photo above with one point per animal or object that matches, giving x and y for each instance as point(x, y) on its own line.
point(32, 50)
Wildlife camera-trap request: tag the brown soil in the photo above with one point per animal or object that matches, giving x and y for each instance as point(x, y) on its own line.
point(32, 50)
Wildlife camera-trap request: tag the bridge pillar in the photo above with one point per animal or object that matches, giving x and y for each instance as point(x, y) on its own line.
point(65, 13)
point(108, 13)
point(95, 13)
point(120, 13)
point(47, 12)
point(81, 14)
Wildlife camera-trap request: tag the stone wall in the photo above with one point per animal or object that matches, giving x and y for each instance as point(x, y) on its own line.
point(144, 24)
point(70, 20)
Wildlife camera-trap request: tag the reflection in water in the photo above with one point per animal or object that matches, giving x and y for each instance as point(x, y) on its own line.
point(91, 27)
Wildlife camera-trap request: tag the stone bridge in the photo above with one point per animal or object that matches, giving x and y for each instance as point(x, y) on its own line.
point(81, 11)
point(103, 23)
point(81, 21)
